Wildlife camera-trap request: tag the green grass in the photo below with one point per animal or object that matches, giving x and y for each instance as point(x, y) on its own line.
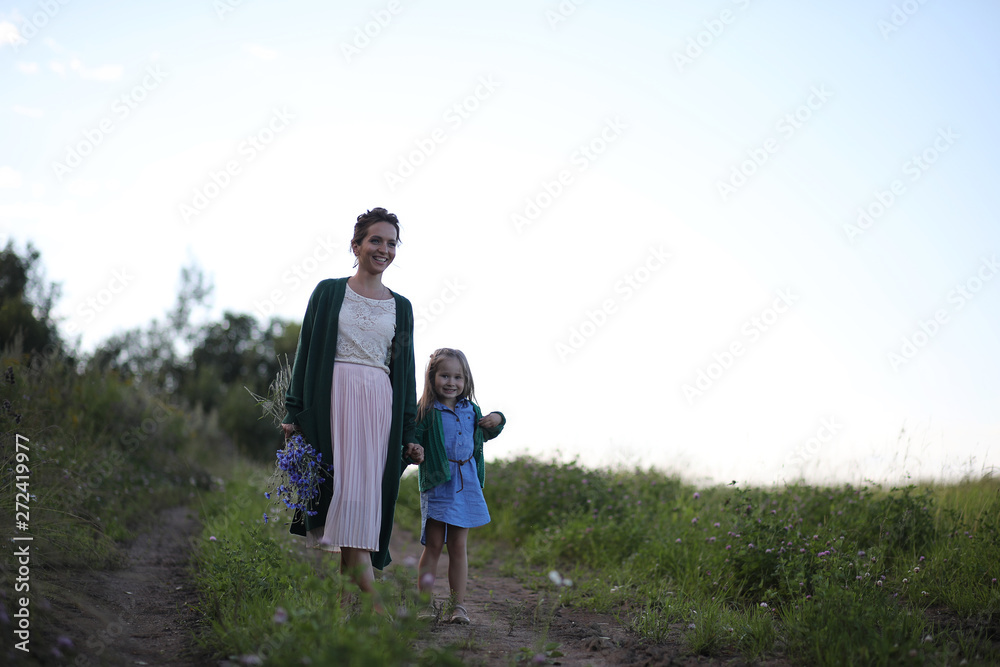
point(845, 575)
point(839, 575)
point(102, 457)
point(264, 595)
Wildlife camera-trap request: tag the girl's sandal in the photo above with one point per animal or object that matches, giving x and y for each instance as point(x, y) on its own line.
point(460, 615)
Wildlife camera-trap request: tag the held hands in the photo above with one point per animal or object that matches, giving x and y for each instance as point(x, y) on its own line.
point(414, 452)
point(491, 420)
point(288, 430)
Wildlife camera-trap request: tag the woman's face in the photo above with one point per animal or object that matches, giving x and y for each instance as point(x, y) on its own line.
point(378, 249)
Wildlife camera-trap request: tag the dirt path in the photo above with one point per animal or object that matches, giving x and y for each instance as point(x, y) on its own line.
point(141, 614)
point(138, 615)
point(510, 622)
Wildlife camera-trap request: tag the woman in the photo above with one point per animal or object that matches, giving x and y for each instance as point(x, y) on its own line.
point(352, 394)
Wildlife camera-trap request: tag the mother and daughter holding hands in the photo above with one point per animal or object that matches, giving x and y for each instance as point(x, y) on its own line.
point(352, 394)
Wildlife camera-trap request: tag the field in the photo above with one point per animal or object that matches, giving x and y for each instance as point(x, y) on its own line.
point(577, 567)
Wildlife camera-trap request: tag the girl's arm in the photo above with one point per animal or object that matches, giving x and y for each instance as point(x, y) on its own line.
point(492, 424)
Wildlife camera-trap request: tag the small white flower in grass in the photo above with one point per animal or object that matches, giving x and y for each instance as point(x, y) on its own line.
point(555, 577)
point(691, 626)
point(928, 638)
point(280, 616)
point(763, 605)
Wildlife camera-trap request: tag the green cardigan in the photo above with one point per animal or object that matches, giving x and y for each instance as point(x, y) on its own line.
point(307, 400)
point(430, 434)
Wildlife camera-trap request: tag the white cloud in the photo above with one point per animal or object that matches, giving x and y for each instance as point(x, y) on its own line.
point(10, 178)
point(83, 188)
point(258, 51)
point(27, 111)
point(37, 190)
point(103, 73)
point(28, 68)
point(51, 43)
point(9, 34)
point(58, 67)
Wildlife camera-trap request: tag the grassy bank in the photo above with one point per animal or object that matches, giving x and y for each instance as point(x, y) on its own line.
point(265, 598)
point(99, 457)
point(824, 576)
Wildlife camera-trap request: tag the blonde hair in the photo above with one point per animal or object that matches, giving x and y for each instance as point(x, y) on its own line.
point(427, 399)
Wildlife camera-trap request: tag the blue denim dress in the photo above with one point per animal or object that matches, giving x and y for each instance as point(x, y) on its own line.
point(459, 501)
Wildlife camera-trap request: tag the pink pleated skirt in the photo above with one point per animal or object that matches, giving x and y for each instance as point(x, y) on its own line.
point(360, 419)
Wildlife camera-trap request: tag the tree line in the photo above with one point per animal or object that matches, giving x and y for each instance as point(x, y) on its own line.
point(205, 367)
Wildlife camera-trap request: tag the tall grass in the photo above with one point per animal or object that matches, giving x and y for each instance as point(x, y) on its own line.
point(103, 457)
point(265, 599)
point(837, 575)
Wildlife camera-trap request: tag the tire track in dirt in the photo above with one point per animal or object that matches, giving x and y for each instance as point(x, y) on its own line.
point(140, 614)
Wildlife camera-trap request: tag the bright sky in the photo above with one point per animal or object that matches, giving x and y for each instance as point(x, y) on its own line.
point(740, 240)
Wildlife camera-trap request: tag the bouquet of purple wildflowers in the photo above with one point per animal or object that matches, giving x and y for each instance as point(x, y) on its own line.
point(297, 475)
point(298, 471)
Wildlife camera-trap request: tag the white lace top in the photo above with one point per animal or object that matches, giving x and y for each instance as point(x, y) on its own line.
point(365, 330)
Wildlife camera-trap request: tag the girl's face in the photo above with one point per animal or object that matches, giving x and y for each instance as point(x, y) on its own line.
point(449, 381)
point(378, 249)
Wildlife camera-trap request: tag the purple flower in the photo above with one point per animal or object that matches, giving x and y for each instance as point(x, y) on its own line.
point(280, 615)
point(694, 521)
point(697, 495)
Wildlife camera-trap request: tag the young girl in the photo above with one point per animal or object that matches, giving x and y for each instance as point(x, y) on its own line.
point(452, 429)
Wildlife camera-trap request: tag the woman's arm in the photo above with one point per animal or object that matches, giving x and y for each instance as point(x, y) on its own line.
point(294, 400)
